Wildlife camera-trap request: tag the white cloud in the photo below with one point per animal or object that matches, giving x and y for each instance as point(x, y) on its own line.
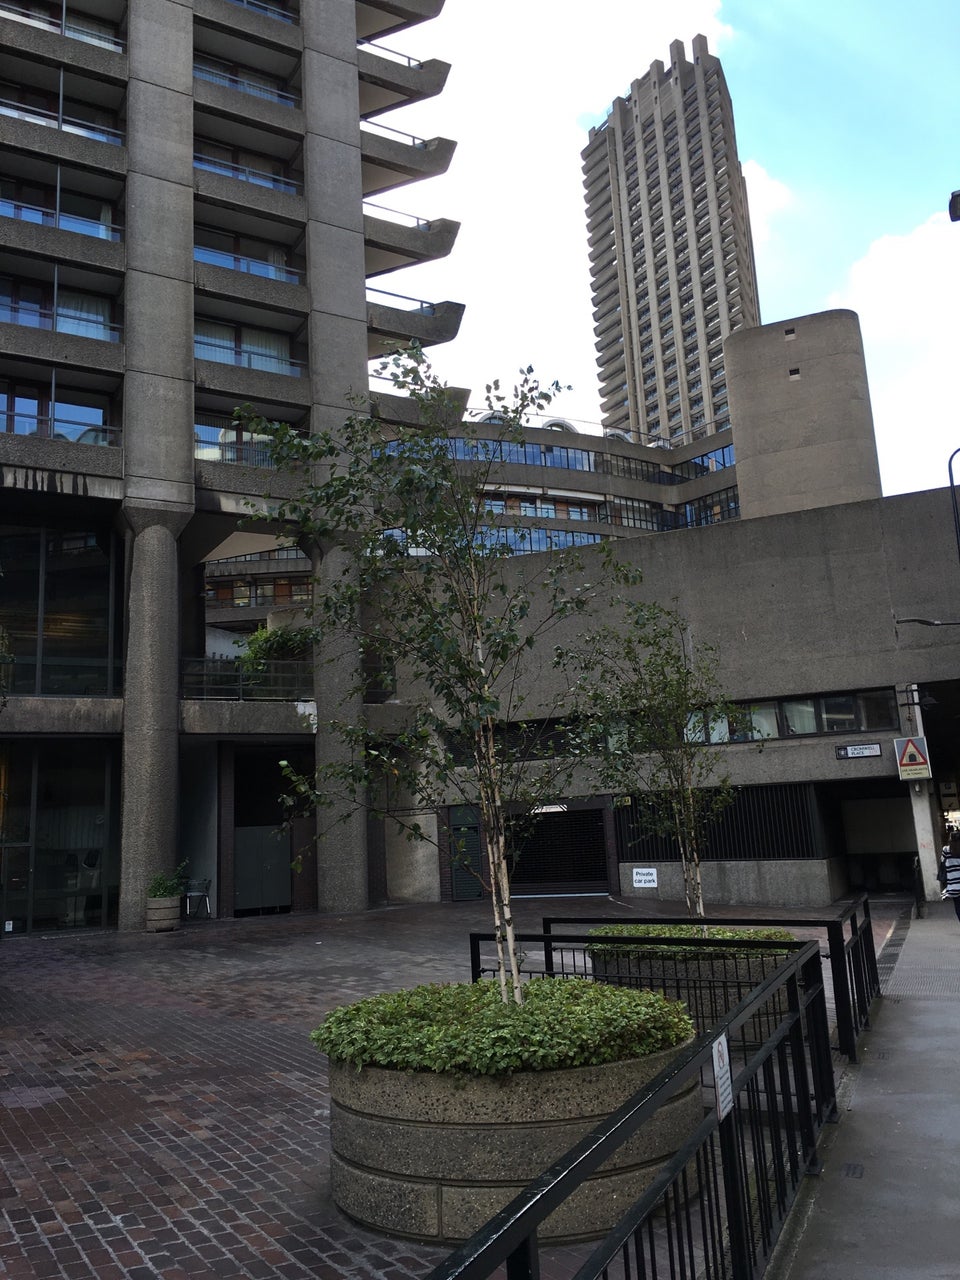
point(522, 79)
point(906, 290)
point(767, 196)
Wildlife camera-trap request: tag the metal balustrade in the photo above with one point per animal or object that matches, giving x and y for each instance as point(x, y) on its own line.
point(227, 680)
point(66, 429)
point(58, 120)
point(275, 11)
point(39, 216)
point(715, 1210)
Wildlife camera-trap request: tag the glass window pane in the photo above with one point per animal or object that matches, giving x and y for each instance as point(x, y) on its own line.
point(76, 615)
point(878, 709)
point(839, 713)
point(71, 836)
point(78, 417)
point(15, 779)
point(20, 602)
point(800, 716)
point(763, 720)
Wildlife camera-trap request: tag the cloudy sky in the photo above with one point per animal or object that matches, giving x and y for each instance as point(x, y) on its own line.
point(848, 127)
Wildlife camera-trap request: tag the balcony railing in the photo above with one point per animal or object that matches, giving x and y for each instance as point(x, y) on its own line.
point(59, 322)
point(411, 139)
point(226, 680)
point(57, 428)
point(242, 453)
point(261, 596)
point(246, 172)
point(401, 301)
point(205, 349)
point(69, 24)
point(240, 262)
point(393, 54)
point(395, 215)
point(58, 120)
point(42, 217)
point(276, 11)
point(242, 85)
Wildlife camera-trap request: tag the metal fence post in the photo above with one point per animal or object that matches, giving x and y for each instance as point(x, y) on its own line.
point(524, 1262)
point(741, 1267)
point(846, 1030)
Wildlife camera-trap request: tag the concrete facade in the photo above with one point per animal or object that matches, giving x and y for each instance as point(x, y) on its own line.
point(185, 229)
point(801, 403)
point(671, 255)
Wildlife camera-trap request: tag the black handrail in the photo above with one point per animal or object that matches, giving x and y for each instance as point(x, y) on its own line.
point(797, 1084)
point(853, 958)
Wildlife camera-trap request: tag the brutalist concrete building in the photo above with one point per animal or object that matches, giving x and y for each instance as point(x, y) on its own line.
point(671, 255)
point(190, 213)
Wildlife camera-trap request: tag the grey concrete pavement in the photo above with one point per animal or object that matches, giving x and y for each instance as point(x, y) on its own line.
point(163, 1114)
point(887, 1204)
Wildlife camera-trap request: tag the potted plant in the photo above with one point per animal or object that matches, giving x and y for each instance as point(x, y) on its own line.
point(709, 980)
point(163, 900)
point(446, 1100)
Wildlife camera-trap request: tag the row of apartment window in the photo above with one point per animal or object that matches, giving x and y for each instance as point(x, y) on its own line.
point(89, 215)
point(860, 711)
point(59, 411)
point(519, 539)
point(251, 593)
point(54, 15)
point(87, 315)
point(548, 508)
point(526, 453)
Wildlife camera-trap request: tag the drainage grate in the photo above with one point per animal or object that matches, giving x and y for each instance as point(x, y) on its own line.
point(851, 1170)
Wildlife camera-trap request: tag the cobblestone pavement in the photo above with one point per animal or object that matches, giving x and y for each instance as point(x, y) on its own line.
point(162, 1112)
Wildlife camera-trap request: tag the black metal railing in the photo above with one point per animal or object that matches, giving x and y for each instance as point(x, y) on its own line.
point(227, 680)
point(716, 1208)
point(855, 979)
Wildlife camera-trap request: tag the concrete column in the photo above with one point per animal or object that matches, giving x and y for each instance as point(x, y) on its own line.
point(338, 371)
point(151, 711)
point(158, 286)
point(926, 825)
point(342, 828)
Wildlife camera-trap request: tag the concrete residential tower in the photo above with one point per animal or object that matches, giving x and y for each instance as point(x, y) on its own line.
point(184, 228)
point(671, 256)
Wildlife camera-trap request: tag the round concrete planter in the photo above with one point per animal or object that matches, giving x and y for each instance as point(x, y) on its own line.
point(163, 914)
point(433, 1157)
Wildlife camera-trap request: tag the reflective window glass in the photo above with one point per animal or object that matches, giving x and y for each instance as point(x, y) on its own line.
point(839, 713)
point(800, 716)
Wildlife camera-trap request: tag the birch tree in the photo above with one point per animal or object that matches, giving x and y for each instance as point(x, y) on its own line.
point(433, 589)
point(651, 700)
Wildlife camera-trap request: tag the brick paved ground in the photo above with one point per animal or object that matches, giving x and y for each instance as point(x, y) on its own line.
point(162, 1113)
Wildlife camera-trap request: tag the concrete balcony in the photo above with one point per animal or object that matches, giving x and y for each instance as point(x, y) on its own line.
point(395, 240)
point(56, 49)
point(392, 159)
point(389, 79)
point(279, 295)
point(393, 322)
point(393, 409)
point(270, 25)
point(377, 18)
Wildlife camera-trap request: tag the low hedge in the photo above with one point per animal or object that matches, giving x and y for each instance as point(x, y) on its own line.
point(466, 1028)
point(728, 934)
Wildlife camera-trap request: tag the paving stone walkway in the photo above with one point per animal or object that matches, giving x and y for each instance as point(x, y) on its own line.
point(162, 1112)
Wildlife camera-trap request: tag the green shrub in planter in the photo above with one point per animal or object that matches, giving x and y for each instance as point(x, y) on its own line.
point(727, 934)
point(168, 886)
point(466, 1028)
point(709, 980)
point(445, 1101)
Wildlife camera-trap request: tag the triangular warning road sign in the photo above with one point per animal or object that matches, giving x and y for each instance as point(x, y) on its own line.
point(911, 754)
